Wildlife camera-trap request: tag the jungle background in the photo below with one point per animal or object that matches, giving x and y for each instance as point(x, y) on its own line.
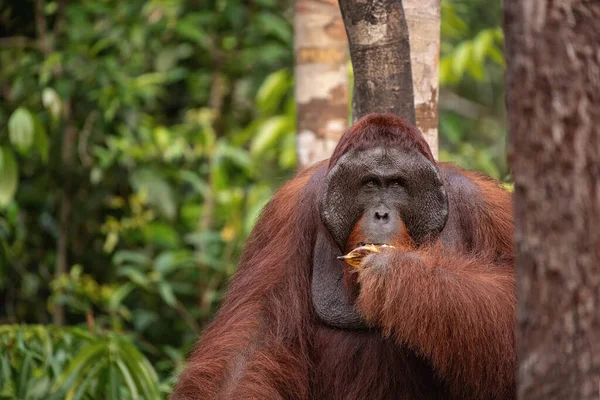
point(139, 141)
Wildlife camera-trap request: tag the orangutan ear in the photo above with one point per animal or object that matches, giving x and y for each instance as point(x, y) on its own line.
point(338, 211)
point(330, 300)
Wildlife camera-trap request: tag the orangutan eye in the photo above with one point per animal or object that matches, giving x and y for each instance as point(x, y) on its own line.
point(370, 183)
point(397, 182)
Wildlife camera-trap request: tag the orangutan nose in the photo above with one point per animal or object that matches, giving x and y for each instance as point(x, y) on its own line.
point(382, 215)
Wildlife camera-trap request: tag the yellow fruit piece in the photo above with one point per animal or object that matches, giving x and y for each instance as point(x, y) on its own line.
point(355, 257)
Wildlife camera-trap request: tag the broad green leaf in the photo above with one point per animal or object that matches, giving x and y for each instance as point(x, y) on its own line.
point(9, 176)
point(203, 239)
point(446, 74)
point(46, 340)
point(149, 79)
point(268, 133)
point(236, 155)
point(482, 42)
point(51, 100)
point(499, 34)
point(288, 155)
point(5, 370)
point(100, 45)
point(89, 354)
point(141, 369)
point(271, 92)
point(168, 261)
point(162, 137)
point(218, 173)
point(112, 239)
point(276, 25)
point(131, 257)
point(476, 70)
point(40, 140)
point(190, 29)
point(159, 191)
point(7, 385)
point(41, 386)
point(166, 293)
point(21, 129)
point(129, 381)
point(461, 58)
point(113, 382)
point(496, 55)
point(119, 295)
point(452, 25)
point(137, 277)
point(25, 374)
point(81, 385)
point(195, 181)
point(51, 62)
point(165, 261)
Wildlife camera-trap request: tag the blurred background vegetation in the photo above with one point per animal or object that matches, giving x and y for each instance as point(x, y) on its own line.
point(179, 116)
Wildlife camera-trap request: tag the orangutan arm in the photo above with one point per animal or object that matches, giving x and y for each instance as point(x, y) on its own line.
point(457, 311)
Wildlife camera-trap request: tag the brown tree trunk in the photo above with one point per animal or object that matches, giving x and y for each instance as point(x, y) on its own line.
point(66, 204)
point(321, 75)
point(380, 52)
point(67, 152)
point(423, 18)
point(553, 98)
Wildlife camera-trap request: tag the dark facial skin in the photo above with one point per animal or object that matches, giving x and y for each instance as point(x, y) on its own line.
point(384, 185)
point(380, 187)
point(381, 222)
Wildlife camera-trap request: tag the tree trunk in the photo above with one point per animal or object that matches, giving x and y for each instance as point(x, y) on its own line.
point(321, 75)
point(380, 52)
point(66, 205)
point(553, 98)
point(67, 152)
point(423, 18)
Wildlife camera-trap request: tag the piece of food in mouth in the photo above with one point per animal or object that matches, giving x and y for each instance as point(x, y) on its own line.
point(355, 257)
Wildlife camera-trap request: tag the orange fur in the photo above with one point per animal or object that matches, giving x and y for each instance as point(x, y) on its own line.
point(442, 316)
point(402, 241)
point(455, 310)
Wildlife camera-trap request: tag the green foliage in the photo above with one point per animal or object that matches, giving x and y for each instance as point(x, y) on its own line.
point(9, 176)
point(164, 127)
point(21, 129)
point(160, 129)
point(472, 110)
point(470, 57)
point(70, 363)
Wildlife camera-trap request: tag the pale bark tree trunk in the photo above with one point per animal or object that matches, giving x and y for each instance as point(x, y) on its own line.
point(553, 87)
point(423, 18)
point(380, 51)
point(321, 76)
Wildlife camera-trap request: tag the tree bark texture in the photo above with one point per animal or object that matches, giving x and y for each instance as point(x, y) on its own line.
point(321, 75)
point(380, 51)
point(423, 18)
point(553, 99)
